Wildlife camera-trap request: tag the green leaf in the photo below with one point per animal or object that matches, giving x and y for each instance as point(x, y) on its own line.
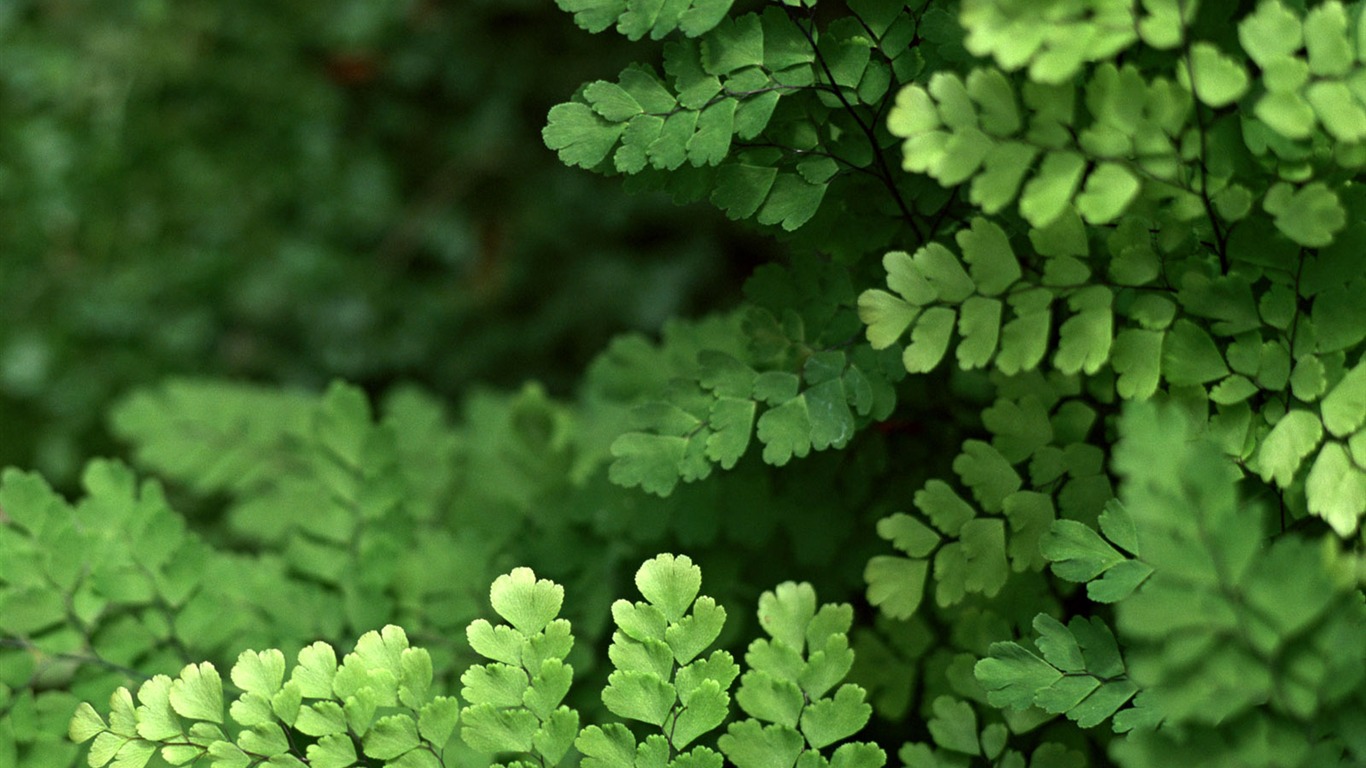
point(740, 189)
point(1336, 489)
point(886, 316)
point(711, 143)
point(647, 460)
point(527, 603)
point(610, 746)
point(500, 685)
point(785, 432)
point(499, 643)
point(670, 584)
point(1285, 447)
point(1013, 675)
point(1326, 38)
point(261, 673)
point(486, 728)
point(86, 723)
point(1046, 196)
point(639, 696)
point(315, 671)
point(156, 719)
point(1189, 356)
point(198, 693)
point(896, 585)
point(770, 699)
point(749, 744)
point(984, 470)
point(692, 634)
point(908, 534)
point(929, 340)
point(579, 135)
point(332, 751)
point(987, 251)
point(1218, 80)
point(1344, 407)
point(390, 737)
point(706, 708)
point(786, 611)
point(954, 725)
point(437, 719)
point(611, 101)
point(1309, 216)
point(321, 719)
point(791, 202)
point(827, 721)
point(556, 735)
point(1109, 190)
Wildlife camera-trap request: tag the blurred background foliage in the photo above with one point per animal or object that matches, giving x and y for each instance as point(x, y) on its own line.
point(293, 192)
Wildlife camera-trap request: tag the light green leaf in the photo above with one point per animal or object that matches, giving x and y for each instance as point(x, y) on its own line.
point(1309, 216)
point(944, 273)
point(611, 101)
point(1046, 196)
point(527, 603)
point(639, 696)
point(321, 719)
point(770, 699)
point(749, 744)
point(886, 316)
point(692, 634)
point(556, 735)
point(1109, 190)
point(610, 746)
point(827, 721)
point(786, 611)
point(86, 723)
point(706, 708)
point(1325, 38)
point(984, 470)
point(316, 668)
point(929, 340)
point(740, 189)
point(1272, 32)
point(785, 432)
point(332, 751)
point(262, 673)
point(500, 685)
point(390, 737)
point(987, 251)
point(499, 643)
point(1285, 447)
point(1219, 80)
point(437, 719)
point(486, 728)
point(1336, 489)
point(198, 693)
point(1344, 408)
point(670, 584)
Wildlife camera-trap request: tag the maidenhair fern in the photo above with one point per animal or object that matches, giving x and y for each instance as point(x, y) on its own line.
point(1062, 386)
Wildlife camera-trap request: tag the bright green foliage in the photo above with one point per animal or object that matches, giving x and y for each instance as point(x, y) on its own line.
point(515, 701)
point(789, 691)
point(377, 702)
point(661, 676)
